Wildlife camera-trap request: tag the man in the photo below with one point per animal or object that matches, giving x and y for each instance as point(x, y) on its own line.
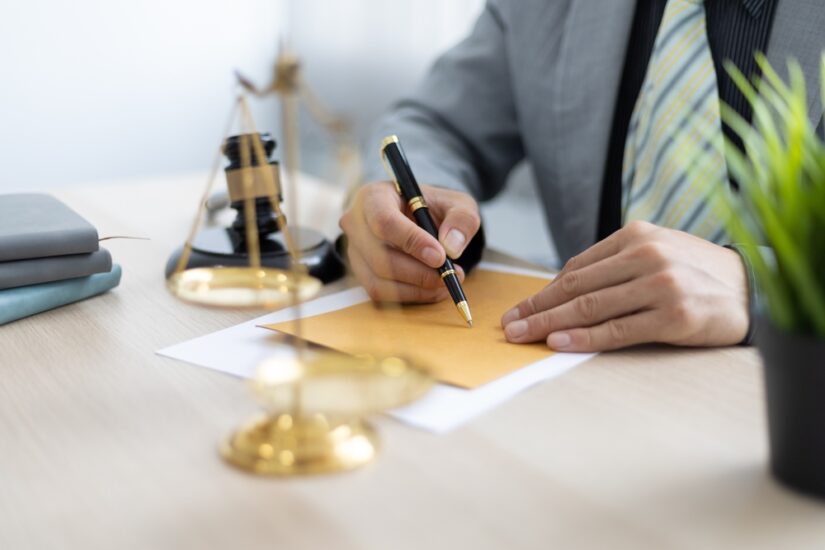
point(616, 106)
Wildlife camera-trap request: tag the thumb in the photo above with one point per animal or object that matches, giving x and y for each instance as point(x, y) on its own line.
point(459, 225)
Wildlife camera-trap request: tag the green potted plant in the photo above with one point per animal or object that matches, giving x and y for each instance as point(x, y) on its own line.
point(777, 220)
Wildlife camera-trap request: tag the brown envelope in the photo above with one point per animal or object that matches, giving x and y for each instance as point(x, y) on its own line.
point(435, 335)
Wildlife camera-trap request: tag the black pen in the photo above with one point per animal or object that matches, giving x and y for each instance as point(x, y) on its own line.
point(401, 173)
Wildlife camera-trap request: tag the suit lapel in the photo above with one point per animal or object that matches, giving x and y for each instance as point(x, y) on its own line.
point(799, 31)
point(592, 58)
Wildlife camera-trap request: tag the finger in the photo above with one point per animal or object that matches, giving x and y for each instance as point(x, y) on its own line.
point(569, 285)
point(611, 245)
point(459, 217)
point(583, 311)
point(388, 263)
point(385, 290)
point(617, 333)
point(387, 222)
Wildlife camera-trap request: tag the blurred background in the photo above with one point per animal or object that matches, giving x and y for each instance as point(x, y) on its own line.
point(98, 91)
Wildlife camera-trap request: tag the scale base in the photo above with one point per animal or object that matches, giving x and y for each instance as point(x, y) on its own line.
point(283, 445)
point(223, 247)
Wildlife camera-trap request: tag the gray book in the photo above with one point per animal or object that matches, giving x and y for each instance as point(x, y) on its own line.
point(34, 225)
point(55, 268)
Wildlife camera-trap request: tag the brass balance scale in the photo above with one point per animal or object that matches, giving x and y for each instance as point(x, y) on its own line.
point(315, 401)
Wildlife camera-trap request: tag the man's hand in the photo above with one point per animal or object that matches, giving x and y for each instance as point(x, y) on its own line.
point(395, 259)
point(642, 284)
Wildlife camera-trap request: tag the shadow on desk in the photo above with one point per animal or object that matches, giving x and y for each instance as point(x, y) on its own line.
point(741, 504)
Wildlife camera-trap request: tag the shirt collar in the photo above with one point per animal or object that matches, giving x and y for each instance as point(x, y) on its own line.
point(754, 7)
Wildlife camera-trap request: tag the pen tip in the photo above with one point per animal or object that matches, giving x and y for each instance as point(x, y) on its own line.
point(464, 309)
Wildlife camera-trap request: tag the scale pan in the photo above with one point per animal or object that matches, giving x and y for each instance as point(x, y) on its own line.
point(242, 287)
point(316, 401)
point(335, 384)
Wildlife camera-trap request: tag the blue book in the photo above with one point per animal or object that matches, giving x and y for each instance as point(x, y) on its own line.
point(16, 303)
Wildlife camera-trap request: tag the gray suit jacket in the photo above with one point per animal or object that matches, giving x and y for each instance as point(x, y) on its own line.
point(539, 79)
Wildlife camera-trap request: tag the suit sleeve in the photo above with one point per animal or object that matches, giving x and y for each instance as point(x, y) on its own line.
point(459, 128)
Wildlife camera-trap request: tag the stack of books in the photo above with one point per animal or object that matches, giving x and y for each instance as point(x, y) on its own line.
point(49, 256)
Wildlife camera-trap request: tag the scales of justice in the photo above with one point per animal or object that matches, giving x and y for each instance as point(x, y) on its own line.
point(315, 401)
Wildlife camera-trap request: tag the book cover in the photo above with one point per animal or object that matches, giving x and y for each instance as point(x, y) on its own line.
point(35, 225)
point(16, 303)
point(55, 268)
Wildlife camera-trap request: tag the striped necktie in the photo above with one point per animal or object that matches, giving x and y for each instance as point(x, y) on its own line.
point(674, 155)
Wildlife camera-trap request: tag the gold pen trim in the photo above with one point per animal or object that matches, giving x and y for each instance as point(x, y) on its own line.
point(387, 140)
point(384, 142)
point(448, 273)
point(464, 309)
point(416, 203)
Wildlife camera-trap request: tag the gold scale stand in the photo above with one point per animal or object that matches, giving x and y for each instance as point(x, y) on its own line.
point(315, 401)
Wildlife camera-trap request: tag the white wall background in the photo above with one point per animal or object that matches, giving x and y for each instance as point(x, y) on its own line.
point(95, 90)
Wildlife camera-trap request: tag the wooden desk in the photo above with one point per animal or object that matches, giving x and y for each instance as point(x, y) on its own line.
point(103, 444)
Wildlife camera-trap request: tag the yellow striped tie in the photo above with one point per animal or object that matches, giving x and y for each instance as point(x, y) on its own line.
point(674, 155)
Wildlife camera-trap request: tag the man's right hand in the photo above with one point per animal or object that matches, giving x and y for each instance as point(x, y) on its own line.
point(393, 258)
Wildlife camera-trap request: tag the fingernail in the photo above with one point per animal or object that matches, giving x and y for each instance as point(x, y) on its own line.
point(558, 340)
point(515, 329)
point(454, 242)
point(431, 257)
point(510, 316)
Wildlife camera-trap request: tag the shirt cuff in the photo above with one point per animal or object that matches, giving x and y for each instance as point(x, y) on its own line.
point(754, 297)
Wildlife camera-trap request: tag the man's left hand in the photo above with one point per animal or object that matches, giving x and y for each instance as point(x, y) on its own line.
point(642, 284)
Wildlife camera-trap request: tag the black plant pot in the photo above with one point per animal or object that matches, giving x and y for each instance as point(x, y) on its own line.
point(794, 367)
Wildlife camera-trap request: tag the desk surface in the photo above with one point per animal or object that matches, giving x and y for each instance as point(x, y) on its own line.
point(104, 444)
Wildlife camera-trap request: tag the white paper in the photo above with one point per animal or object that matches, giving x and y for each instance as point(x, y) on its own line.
point(240, 349)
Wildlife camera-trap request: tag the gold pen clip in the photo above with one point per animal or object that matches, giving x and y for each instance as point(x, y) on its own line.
point(386, 141)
